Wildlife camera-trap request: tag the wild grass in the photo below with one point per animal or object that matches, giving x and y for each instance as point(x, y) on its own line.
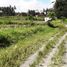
point(65, 21)
point(27, 41)
point(57, 59)
point(58, 23)
point(16, 34)
point(50, 45)
point(18, 43)
point(19, 20)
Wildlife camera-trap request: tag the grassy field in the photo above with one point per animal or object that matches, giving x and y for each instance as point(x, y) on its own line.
point(23, 44)
point(21, 20)
point(57, 59)
point(47, 49)
point(18, 43)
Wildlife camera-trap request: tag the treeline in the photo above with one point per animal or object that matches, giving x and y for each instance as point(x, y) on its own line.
point(31, 13)
point(59, 11)
point(60, 8)
point(10, 11)
point(7, 11)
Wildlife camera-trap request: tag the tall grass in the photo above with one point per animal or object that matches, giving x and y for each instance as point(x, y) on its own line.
point(17, 53)
point(20, 20)
point(50, 45)
point(57, 59)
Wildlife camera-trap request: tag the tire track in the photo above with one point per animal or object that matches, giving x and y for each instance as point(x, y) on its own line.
point(33, 57)
point(47, 60)
point(64, 59)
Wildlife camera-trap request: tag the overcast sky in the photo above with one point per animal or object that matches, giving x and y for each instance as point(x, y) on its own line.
point(24, 5)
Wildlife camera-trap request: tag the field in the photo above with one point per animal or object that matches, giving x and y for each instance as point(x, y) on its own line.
point(20, 38)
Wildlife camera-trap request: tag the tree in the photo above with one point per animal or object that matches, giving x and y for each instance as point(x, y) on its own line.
point(8, 11)
point(51, 13)
point(31, 12)
point(60, 8)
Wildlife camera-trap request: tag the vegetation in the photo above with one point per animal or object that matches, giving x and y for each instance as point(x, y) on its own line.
point(7, 11)
point(57, 59)
point(61, 8)
point(18, 43)
point(19, 20)
point(22, 42)
point(22, 34)
point(58, 23)
point(50, 45)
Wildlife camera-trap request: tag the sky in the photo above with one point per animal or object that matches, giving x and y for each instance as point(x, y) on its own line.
point(25, 5)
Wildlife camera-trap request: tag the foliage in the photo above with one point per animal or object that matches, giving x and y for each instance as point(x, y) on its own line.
point(61, 8)
point(51, 15)
point(17, 53)
point(19, 20)
point(5, 41)
point(31, 18)
point(8, 11)
point(31, 12)
point(22, 41)
point(58, 23)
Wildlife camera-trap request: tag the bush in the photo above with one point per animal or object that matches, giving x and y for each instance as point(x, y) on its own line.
point(57, 23)
point(4, 41)
point(51, 25)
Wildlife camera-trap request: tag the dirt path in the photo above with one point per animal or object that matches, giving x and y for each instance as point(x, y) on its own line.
point(46, 61)
point(33, 57)
point(64, 59)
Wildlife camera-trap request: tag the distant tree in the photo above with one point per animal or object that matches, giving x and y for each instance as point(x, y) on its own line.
point(60, 8)
point(24, 14)
point(46, 11)
point(31, 12)
point(51, 13)
point(8, 11)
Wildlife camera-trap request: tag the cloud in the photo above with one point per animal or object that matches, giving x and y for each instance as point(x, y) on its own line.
point(24, 5)
point(31, 4)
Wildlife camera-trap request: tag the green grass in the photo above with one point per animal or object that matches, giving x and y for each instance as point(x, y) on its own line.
point(57, 59)
point(18, 43)
point(17, 53)
point(20, 20)
point(58, 23)
point(50, 45)
point(16, 34)
point(14, 20)
point(65, 21)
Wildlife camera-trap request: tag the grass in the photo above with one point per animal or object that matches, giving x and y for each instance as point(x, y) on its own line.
point(58, 23)
point(65, 21)
point(47, 49)
point(14, 20)
point(16, 54)
point(16, 34)
point(18, 43)
point(20, 20)
point(57, 59)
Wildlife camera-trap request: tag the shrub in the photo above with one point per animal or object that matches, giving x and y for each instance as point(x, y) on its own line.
point(57, 23)
point(4, 41)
